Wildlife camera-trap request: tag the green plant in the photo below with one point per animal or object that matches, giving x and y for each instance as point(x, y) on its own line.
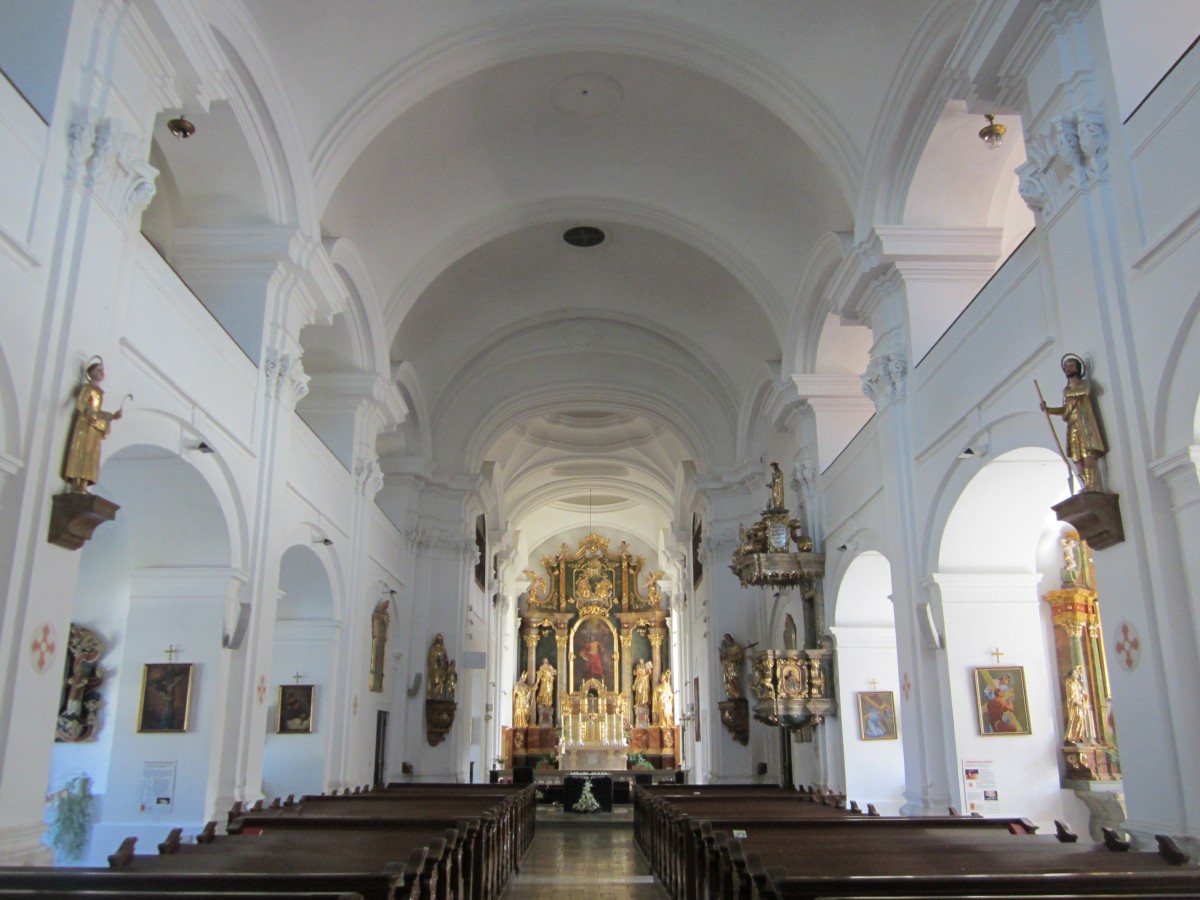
point(71, 825)
point(546, 761)
point(637, 761)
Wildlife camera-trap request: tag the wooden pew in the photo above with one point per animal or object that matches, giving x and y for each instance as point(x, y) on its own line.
point(347, 853)
point(873, 857)
point(498, 822)
point(447, 870)
point(36, 894)
point(113, 883)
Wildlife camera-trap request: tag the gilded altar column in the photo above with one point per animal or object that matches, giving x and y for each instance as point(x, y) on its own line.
point(561, 636)
point(626, 685)
point(531, 639)
point(656, 639)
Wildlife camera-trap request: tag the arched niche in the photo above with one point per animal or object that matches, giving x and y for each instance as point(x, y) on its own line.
point(988, 593)
point(869, 684)
point(158, 586)
point(302, 683)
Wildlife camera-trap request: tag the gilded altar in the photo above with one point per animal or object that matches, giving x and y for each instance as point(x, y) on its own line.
point(595, 656)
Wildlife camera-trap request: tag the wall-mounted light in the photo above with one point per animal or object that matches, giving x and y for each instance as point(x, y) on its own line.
point(325, 541)
point(205, 448)
point(992, 133)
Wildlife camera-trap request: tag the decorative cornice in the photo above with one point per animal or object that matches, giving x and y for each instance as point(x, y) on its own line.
point(1069, 157)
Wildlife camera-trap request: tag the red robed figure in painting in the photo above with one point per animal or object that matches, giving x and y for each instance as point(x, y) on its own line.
point(592, 655)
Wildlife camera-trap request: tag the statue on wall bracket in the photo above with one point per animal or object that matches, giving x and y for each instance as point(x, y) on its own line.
point(735, 710)
point(1093, 512)
point(441, 683)
point(76, 513)
point(78, 715)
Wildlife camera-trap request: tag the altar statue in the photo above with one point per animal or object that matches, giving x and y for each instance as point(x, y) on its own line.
point(641, 684)
point(90, 426)
point(522, 696)
point(1080, 727)
point(664, 701)
point(545, 683)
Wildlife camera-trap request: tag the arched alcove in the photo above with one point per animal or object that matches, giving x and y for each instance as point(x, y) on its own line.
point(155, 584)
point(302, 680)
point(990, 557)
point(869, 684)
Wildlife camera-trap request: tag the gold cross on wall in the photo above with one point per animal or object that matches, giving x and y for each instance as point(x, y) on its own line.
point(874, 684)
point(996, 653)
point(171, 651)
point(297, 676)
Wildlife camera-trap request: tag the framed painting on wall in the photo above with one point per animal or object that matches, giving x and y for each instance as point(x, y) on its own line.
point(166, 701)
point(295, 709)
point(1001, 701)
point(877, 715)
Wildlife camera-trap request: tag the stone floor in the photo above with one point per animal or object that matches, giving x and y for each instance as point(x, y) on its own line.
point(583, 856)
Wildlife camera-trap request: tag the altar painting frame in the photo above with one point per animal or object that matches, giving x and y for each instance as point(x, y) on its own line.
point(600, 631)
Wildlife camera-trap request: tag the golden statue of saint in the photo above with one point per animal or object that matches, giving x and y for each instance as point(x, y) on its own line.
point(435, 670)
point(1085, 444)
point(545, 683)
point(641, 684)
point(731, 666)
point(91, 425)
point(1080, 727)
point(776, 487)
point(664, 700)
point(522, 697)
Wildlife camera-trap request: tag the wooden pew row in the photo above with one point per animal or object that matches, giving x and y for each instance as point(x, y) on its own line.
point(650, 804)
point(498, 823)
point(663, 820)
point(668, 830)
point(452, 871)
point(78, 883)
point(517, 814)
point(18, 893)
point(871, 856)
point(347, 854)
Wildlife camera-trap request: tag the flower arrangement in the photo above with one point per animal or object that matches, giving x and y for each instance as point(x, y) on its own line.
point(587, 802)
point(547, 761)
point(71, 822)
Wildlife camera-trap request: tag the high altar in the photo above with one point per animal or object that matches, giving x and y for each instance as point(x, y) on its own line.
point(608, 691)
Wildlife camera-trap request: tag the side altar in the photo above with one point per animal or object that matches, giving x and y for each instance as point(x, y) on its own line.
point(595, 663)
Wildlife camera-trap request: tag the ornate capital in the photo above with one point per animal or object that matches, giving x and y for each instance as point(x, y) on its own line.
point(1070, 156)
point(286, 379)
point(885, 378)
point(113, 162)
point(368, 477)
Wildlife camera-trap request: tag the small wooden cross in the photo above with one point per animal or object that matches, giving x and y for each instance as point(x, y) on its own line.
point(297, 676)
point(171, 651)
point(874, 683)
point(996, 653)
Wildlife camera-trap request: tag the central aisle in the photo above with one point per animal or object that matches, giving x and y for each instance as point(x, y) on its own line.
point(584, 856)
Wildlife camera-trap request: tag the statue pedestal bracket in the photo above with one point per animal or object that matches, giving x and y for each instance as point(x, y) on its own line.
point(74, 516)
